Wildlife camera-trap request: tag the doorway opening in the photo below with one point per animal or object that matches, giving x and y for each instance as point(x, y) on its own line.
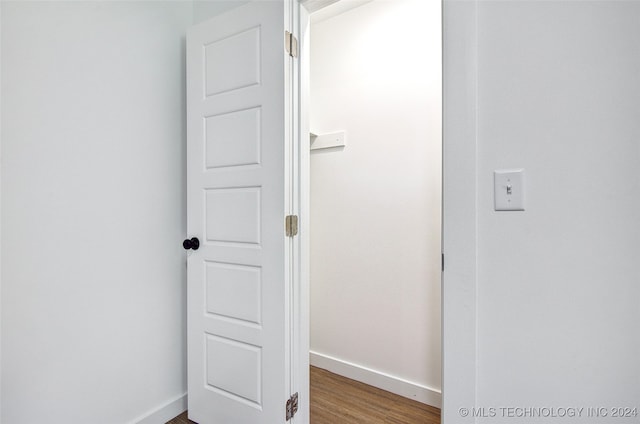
point(375, 119)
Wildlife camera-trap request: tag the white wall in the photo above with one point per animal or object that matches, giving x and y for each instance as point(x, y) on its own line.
point(93, 274)
point(0, 212)
point(557, 290)
point(375, 206)
point(205, 9)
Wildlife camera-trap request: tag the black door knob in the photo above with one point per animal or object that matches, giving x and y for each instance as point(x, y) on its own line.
point(192, 243)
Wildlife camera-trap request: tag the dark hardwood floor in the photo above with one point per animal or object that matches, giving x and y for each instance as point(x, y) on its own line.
point(181, 419)
point(339, 400)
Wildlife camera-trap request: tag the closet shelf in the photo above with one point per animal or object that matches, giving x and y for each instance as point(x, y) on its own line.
point(327, 141)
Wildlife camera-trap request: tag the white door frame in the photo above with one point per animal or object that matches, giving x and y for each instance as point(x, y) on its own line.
point(459, 213)
point(459, 240)
point(302, 206)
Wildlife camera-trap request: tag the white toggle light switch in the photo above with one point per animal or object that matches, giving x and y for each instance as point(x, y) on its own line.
point(508, 186)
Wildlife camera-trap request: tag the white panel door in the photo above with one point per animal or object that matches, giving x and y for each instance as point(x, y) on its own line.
point(237, 198)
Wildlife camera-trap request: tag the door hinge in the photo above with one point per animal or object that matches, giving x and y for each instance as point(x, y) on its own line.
point(291, 44)
point(292, 406)
point(291, 225)
point(443, 262)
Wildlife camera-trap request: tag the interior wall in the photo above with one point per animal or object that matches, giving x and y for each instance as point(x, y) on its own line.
point(205, 9)
point(559, 95)
point(0, 212)
point(375, 205)
point(93, 272)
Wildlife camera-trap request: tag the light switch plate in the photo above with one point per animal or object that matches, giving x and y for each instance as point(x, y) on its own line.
point(508, 187)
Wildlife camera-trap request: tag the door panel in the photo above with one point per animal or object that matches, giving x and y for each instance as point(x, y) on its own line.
point(237, 196)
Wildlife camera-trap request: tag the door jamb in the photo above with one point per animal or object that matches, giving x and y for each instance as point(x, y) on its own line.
point(301, 205)
point(459, 213)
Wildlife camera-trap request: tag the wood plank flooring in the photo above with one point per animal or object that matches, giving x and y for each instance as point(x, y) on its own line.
point(339, 400)
point(181, 419)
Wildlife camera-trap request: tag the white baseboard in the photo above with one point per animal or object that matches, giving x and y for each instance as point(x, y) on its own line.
point(377, 379)
point(165, 413)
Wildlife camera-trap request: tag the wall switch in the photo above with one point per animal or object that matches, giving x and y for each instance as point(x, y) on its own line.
point(508, 186)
